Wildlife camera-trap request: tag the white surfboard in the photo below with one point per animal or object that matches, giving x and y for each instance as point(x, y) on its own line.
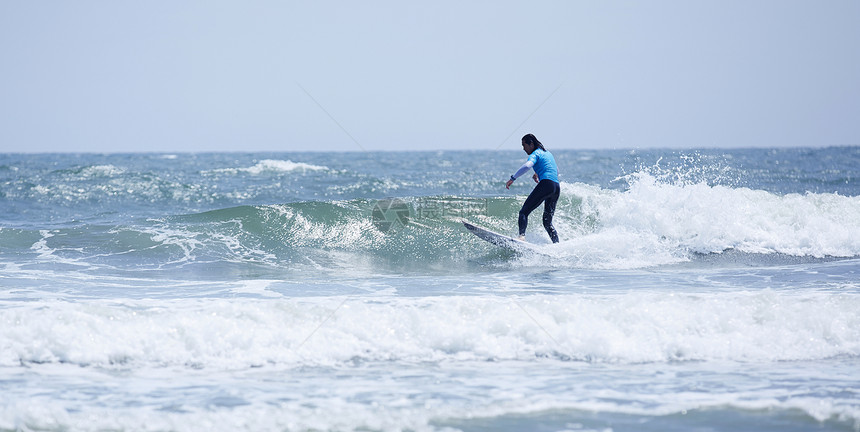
point(501, 240)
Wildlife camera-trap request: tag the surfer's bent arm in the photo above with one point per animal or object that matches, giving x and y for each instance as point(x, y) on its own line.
point(526, 166)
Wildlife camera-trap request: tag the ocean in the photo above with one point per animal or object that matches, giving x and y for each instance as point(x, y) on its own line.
point(694, 290)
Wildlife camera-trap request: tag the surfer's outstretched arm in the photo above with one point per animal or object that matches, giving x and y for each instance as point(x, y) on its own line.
point(523, 169)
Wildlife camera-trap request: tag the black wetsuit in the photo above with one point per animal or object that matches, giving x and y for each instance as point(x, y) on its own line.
point(547, 192)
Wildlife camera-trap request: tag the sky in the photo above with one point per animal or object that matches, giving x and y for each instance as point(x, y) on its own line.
point(195, 76)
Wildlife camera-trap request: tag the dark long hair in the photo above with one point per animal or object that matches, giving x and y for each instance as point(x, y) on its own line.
point(533, 141)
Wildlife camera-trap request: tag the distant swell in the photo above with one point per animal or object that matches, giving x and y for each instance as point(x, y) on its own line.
point(274, 166)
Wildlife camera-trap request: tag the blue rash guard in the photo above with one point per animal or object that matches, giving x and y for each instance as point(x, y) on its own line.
point(543, 164)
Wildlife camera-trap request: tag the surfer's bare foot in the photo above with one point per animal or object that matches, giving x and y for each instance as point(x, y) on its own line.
point(522, 238)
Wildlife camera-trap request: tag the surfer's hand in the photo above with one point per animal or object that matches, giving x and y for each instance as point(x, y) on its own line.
point(535, 177)
point(508, 184)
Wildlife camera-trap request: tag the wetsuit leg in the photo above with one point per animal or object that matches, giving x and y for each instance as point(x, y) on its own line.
point(549, 211)
point(541, 192)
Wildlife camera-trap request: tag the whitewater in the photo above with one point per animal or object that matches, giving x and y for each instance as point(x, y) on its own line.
point(691, 290)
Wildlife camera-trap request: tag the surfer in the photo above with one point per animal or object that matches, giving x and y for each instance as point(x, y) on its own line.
point(547, 189)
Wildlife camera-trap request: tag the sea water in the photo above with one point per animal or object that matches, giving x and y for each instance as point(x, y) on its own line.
point(692, 290)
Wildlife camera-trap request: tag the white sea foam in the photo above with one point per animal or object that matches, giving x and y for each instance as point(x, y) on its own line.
point(629, 328)
point(175, 238)
point(654, 223)
point(41, 246)
point(46, 253)
point(274, 166)
point(96, 171)
point(360, 404)
point(355, 232)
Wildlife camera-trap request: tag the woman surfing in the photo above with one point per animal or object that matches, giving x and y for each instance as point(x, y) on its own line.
point(547, 190)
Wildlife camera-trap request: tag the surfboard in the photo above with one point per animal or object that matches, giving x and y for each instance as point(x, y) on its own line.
point(501, 240)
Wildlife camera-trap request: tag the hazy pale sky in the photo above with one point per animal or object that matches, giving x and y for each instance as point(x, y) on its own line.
point(123, 76)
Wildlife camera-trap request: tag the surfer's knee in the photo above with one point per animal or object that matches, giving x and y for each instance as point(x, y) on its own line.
point(547, 221)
